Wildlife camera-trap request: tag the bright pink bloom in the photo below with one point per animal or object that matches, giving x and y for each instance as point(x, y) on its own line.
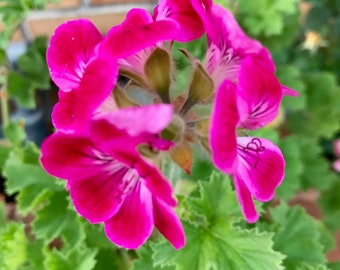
point(84, 78)
point(228, 45)
point(84, 64)
point(110, 182)
point(256, 164)
point(136, 33)
point(190, 24)
point(139, 35)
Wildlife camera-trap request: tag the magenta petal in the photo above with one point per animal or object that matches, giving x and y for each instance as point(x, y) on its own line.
point(190, 24)
point(223, 30)
point(155, 182)
point(68, 156)
point(138, 120)
point(289, 92)
point(71, 47)
point(123, 147)
point(261, 166)
point(245, 200)
point(75, 109)
point(259, 94)
point(336, 165)
point(131, 226)
point(168, 224)
point(222, 134)
point(136, 33)
point(98, 197)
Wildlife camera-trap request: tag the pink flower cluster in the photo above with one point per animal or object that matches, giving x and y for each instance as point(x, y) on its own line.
point(108, 153)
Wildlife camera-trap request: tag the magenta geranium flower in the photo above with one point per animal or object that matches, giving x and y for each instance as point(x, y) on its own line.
point(84, 66)
point(84, 78)
point(256, 164)
point(109, 180)
point(137, 32)
point(147, 35)
point(190, 24)
point(228, 45)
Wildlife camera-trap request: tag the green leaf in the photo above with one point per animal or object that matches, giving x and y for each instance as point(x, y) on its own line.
point(57, 220)
point(107, 259)
point(145, 260)
point(95, 236)
point(316, 167)
point(13, 246)
point(290, 76)
point(290, 147)
point(37, 73)
point(334, 266)
point(213, 241)
point(2, 213)
point(21, 89)
point(329, 202)
point(265, 16)
point(31, 197)
point(21, 175)
point(322, 113)
point(5, 149)
point(35, 256)
point(78, 259)
point(296, 232)
point(15, 132)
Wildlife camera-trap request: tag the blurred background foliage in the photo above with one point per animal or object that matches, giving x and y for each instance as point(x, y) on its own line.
point(304, 38)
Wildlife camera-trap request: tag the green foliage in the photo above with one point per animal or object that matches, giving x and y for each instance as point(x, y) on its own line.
point(13, 246)
point(55, 219)
point(145, 260)
point(15, 132)
point(217, 236)
point(296, 232)
point(13, 12)
point(330, 205)
point(215, 241)
point(2, 213)
point(291, 75)
point(266, 16)
point(24, 174)
point(290, 147)
point(322, 113)
point(23, 83)
point(77, 259)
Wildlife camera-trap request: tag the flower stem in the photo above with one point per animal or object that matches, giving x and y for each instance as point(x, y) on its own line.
point(124, 260)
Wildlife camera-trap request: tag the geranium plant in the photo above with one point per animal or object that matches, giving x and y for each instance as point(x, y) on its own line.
point(163, 155)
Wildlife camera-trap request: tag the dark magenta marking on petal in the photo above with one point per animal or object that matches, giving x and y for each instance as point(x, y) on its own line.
point(253, 149)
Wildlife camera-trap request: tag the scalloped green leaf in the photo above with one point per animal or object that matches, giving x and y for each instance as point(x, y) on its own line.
point(13, 246)
point(214, 242)
point(265, 16)
point(15, 132)
point(290, 147)
point(296, 232)
point(322, 113)
point(81, 258)
point(329, 202)
point(56, 220)
point(290, 76)
point(145, 260)
point(25, 175)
